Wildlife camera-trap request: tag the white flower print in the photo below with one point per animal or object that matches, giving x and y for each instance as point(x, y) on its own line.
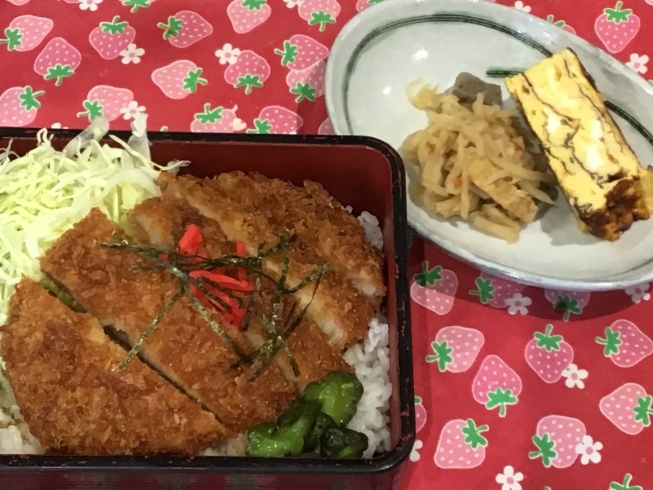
point(89, 4)
point(589, 450)
point(238, 124)
point(131, 110)
point(293, 3)
point(519, 5)
point(414, 454)
point(639, 293)
point(509, 480)
point(574, 377)
point(228, 54)
point(57, 125)
point(132, 54)
point(638, 63)
point(518, 304)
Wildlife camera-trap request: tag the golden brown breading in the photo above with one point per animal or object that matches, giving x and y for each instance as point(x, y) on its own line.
point(60, 365)
point(340, 311)
point(184, 347)
point(163, 218)
point(319, 221)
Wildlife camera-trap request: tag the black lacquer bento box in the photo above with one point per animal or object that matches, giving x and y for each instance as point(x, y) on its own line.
point(364, 173)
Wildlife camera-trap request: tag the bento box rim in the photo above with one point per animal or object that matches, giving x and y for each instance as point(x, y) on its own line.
point(234, 465)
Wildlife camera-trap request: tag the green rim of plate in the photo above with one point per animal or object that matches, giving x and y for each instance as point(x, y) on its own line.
point(456, 17)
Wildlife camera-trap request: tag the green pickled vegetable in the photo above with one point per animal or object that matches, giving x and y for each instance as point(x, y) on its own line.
point(338, 394)
point(340, 442)
point(313, 439)
point(286, 436)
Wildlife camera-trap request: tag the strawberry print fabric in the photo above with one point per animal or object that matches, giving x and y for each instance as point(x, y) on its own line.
point(516, 387)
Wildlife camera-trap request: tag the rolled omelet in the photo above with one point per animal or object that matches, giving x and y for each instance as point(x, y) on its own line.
point(596, 169)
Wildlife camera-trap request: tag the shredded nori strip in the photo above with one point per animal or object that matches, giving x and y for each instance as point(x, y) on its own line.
point(180, 266)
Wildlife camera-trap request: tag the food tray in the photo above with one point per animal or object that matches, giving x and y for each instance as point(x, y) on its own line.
point(361, 172)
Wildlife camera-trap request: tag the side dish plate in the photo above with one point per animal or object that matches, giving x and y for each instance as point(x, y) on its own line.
point(385, 48)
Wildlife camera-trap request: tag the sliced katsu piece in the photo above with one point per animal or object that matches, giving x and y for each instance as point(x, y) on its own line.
point(109, 285)
point(319, 221)
point(55, 354)
point(340, 311)
point(160, 220)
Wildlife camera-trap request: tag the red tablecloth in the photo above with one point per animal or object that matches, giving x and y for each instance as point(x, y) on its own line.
point(512, 392)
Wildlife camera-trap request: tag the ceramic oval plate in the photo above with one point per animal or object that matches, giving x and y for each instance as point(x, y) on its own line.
point(384, 48)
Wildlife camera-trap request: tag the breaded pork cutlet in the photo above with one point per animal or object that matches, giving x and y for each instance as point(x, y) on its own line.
point(318, 220)
point(161, 220)
point(338, 308)
point(109, 285)
point(54, 354)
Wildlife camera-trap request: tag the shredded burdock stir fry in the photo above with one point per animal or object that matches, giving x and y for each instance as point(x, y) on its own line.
point(205, 282)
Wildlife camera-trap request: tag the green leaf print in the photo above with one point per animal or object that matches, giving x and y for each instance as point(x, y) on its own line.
point(500, 398)
point(261, 126)
point(13, 39)
point(484, 290)
point(93, 110)
point(547, 341)
point(442, 355)
point(136, 4)
point(29, 98)
point(304, 91)
point(545, 449)
point(249, 82)
point(58, 73)
point(114, 27)
point(172, 28)
point(428, 277)
point(321, 18)
point(617, 15)
point(625, 484)
point(643, 410)
point(288, 53)
point(567, 305)
point(611, 342)
point(473, 435)
point(193, 80)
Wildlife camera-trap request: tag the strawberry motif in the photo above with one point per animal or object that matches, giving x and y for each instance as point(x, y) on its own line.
point(568, 301)
point(246, 15)
point(301, 52)
point(496, 385)
point(461, 445)
point(137, 4)
point(179, 79)
point(616, 28)
point(434, 289)
point(629, 408)
point(560, 23)
point(185, 28)
point(307, 84)
point(455, 348)
point(625, 343)
point(58, 60)
point(249, 71)
point(26, 32)
point(556, 439)
point(625, 484)
point(104, 100)
point(218, 120)
point(110, 38)
point(363, 4)
point(548, 355)
point(326, 127)
point(495, 291)
point(420, 414)
point(276, 120)
point(319, 12)
point(19, 106)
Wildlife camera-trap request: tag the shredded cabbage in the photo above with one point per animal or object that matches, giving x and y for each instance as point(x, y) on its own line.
point(45, 192)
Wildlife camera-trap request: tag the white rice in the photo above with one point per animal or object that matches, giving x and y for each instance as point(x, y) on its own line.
point(370, 360)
